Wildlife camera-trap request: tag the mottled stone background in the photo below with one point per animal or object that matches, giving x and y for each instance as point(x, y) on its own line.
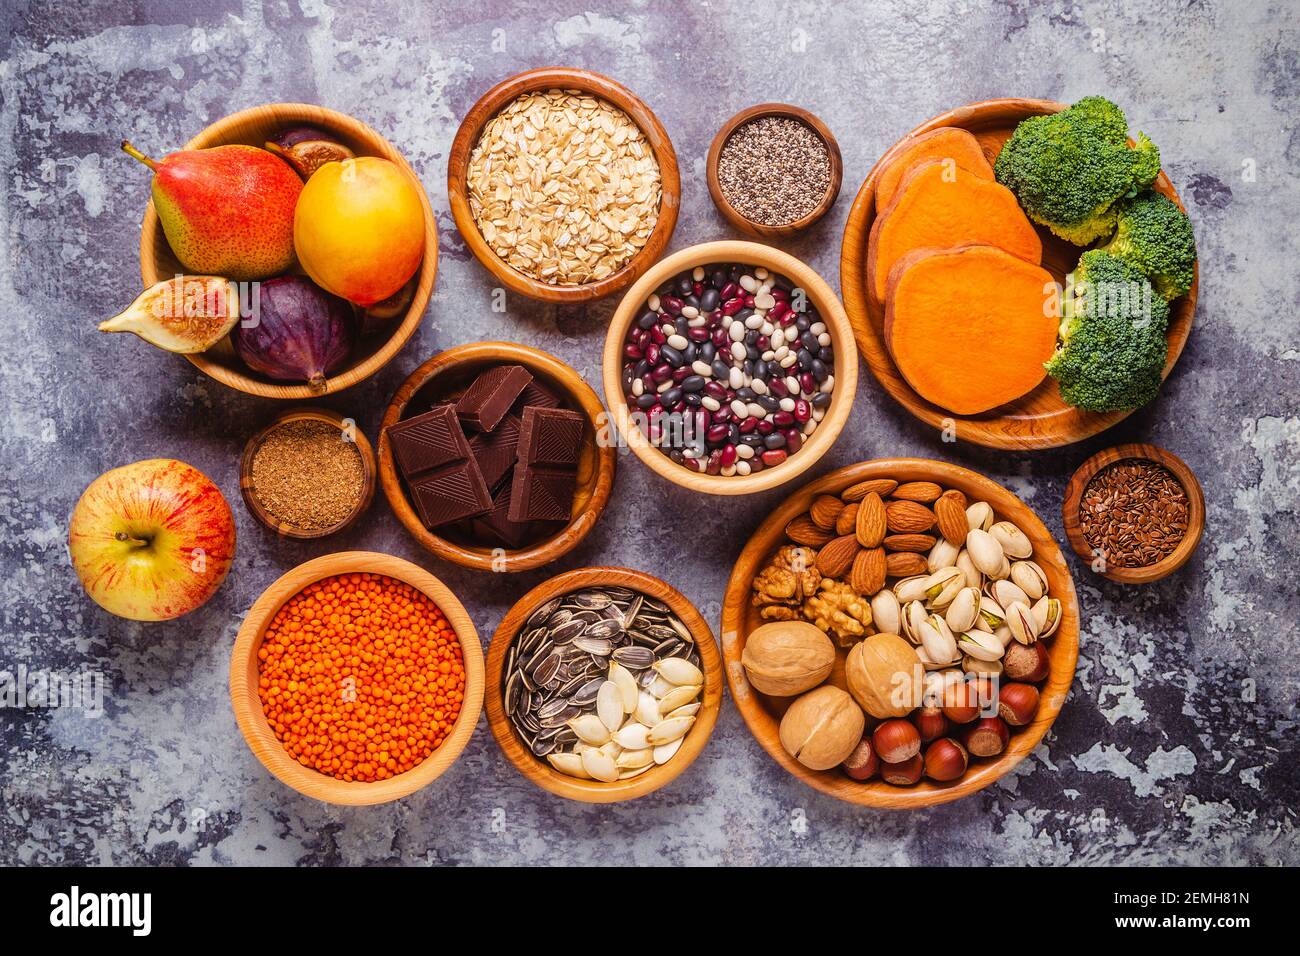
point(1177, 744)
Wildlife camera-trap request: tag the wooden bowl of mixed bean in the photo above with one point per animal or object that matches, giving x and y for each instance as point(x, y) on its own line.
point(316, 692)
point(730, 367)
point(548, 141)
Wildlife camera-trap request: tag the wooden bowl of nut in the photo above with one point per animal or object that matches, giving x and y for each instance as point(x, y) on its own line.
point(308, 474)
point(729, 367)
point(467, 519)
point(1038, 416)
point(900, 633)
point(1134, 513)
point(774, 170)
point(383, 327)
point(279, 676)
point(540, 120)
point(604, 684)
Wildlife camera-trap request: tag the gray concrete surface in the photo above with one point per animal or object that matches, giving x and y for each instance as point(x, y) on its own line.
point(1177, 744)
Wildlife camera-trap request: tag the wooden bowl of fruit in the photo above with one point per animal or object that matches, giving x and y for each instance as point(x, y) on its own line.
point(982, 377)
point(900, 633)
point(324, 237)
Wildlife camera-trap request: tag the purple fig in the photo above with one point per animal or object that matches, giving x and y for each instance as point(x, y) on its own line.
point(307, 149)
point(298, 332)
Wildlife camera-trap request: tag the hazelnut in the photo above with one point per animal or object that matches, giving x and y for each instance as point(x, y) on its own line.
point(931, 722)
point(822, 728)
point(1026, 662)
point(902, 774)
point(945, 760)
point(896, 741)
point(785, 658)
point(987, 737)
point(862, 764)
point(961, 702)
point(1017, 703)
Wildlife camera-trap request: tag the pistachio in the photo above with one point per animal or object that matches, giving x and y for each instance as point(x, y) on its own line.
point(992, 613)
point(913, 616)
point(1047, 615)
point(973, 665)
point(1020, 619)
point(982, 646)
point(937, 640)
point(973, 576)
point(1014, 542)
point(1003, 571)
point(1007, 593)
point(942, 555)
point(910, 589)
point(964, 610)
point(942, 586)
point(985, 552)
point(979, 515)
point(886, 612)
point(1030, 578)
point(1003, 634)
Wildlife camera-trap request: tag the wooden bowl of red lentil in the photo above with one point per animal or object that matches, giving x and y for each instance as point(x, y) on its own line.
point(1134, 513)
point(356, 693)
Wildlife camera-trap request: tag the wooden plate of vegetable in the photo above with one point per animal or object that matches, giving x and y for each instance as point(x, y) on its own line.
point(798, 662)
point(905, 298)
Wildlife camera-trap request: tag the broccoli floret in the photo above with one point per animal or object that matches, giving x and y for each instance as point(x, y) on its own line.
point(1155, 236)
point(1113, 336)
point(1069, 169)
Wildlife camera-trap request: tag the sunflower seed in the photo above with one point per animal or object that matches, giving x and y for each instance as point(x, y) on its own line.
point(634, 658)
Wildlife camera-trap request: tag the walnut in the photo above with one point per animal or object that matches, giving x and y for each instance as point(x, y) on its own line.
point(839, 610)
point(780, 588)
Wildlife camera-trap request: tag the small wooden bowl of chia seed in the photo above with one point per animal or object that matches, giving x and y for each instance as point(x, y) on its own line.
point(774, 170)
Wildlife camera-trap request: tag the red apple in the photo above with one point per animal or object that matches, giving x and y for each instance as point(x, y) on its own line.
point(153, 540)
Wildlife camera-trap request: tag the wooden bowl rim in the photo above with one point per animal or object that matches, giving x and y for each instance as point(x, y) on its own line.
point(735, 216)
point(593, 791)
point(251, 718)
point(1064, 646)
point(580, 394)
point(311, 115)
point(1167, 565)
point(307, 413)
point(980, 430)
point(613, 92)
point(832, 313)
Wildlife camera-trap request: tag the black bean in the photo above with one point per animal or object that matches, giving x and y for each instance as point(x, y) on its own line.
point(647, 400)
point(759, 370)
point(802, 323)
point(642, 367)
point(721, 370)
point(649, 320)
point(693, 383)
point(692, 399)
point(827, 355)
point(745, 393)
point(752, 439)
point(670, 397)
point(693, 300)
point(733, 433)
point(682, 325)
point(803, 355)
point(735, 272)
point(748, 367)
point(707, 352)
point(685, 285)
point(673, 357)
point(676, 455)
point(820, 370)
point(809, 341)
point(718, 278)
point(708, 300)
point(752, 352)
point(743, 314)
point(781, 282)
point(769, 403)
point(691, 352)
point(821, 400)
point(774, 440)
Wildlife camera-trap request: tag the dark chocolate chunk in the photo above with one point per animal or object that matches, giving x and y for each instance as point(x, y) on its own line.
point(428, 441)
point(539, 493)
point(495, 450)
point(550, 436)
point(452, 492)
point(537, 395)
point(496, 526)
point(490, 396)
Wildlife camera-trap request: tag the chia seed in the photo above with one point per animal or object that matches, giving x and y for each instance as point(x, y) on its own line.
point(774, 170)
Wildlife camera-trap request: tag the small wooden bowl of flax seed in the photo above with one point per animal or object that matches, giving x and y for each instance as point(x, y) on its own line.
point(774, 170)
point(1134, 513)
point(310, 473)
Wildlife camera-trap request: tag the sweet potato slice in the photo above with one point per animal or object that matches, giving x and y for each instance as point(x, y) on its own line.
point(970, 327)
point(944, 143)
point(937, 207)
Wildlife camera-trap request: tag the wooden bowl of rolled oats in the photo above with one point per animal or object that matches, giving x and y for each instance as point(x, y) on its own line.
point(563, 184)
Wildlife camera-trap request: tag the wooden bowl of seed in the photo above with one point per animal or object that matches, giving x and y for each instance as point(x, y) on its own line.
point(603, 684)
point(774, 170)
point(1134, 513)
point(308, 474)
point(554, 140)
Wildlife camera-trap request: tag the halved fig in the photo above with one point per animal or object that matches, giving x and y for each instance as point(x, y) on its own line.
point(186, 314)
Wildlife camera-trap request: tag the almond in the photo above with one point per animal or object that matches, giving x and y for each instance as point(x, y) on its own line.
point(869, 525)
point(905, 564)
point(922, 491)
point(802, 531)
point(837, 556)
point(956, 496)
point(950, 515)
point(869, 570)
point(908, 517)
point(881, 486)
point(909, 542)
point(847, 520)
point(825, 509)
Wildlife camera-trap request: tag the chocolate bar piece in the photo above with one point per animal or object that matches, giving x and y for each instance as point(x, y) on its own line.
point(537, 395)
point(550, 436)
point(495, 450)
point(428, 441)
point(490, 396)
point(539, 493)
point(452, 492)
point(496, 526)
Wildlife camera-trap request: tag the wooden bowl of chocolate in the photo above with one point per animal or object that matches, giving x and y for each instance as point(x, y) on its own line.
point(604, 684)
point(900, 633)
point(308, 474)
point(1134, 513)
point(489, 456)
